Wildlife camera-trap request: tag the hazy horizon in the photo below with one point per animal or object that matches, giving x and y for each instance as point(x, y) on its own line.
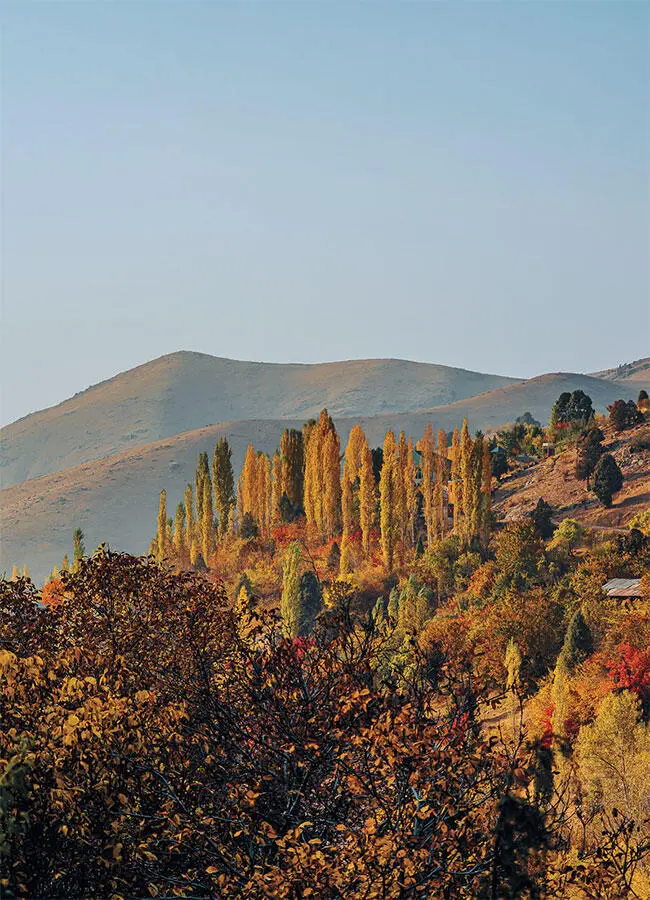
point(460, 184)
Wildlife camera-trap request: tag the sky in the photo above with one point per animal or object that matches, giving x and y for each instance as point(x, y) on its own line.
point(458, 183)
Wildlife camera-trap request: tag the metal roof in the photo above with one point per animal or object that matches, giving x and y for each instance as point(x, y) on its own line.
point(623, 587)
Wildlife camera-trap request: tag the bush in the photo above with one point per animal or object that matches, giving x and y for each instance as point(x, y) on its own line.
point(624, 415)
point(640, 442)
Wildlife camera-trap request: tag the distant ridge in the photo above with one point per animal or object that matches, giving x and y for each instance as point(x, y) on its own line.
point(115, 498)
point(185, 390)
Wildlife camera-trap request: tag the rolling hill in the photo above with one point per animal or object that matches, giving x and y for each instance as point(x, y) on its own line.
point(637, 372)
point(115, 498)
point(184, 391)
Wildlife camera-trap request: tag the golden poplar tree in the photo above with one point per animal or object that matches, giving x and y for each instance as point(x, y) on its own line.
point(367, 498)
point(332, 484)
point(388, 493)
point(401, 509)
point(276, 486)
point(465, 472)
point(323, 477)
point(410, 491)
point(486, 484)
point(248, 483)
point(427, 482)
point(207, 521)
point(190, 523)
point(161, 532)
point(442, 477)
point(179, 536)
point(457, 490)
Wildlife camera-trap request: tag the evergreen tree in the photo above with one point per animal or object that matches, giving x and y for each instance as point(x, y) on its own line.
point(223, 483)
point(290, 600)
point(542, 516)
point(643, 396)
point(578, 642)
point(416, 606)
point(310, 603)
point(589, 451)
point(608, 479)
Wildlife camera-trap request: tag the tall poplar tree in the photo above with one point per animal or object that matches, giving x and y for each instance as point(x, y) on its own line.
point(367, 498)
point(223, 483)
point(442, 477)
point(290, 599)
point(207, 521)
point(179, 537)
point(161, 533)
point(293, 467)
point(389, 491)
point(455, 478)
point(427, 463)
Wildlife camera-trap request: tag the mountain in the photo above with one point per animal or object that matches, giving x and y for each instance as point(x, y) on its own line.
point(116, 498)
point(184, 391)
point(637, 372)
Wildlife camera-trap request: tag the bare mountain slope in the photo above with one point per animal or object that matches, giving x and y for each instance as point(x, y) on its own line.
point(637, 372)
point(184, 391)
point(116, 498)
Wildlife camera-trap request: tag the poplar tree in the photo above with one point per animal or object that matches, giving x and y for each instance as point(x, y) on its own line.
point(207, 521)
point(322, 491)
point(248, 483)
point(276, 486)
point(409, 472)
point(367, 498)
point(465, 472)
point(427, 464)
point(223, 483)
point(401, 509)
point(486, 484)
point(179, 537)
point(388, 491)
point(190, 523)
point(455, 477)
point(351, 485)
point(65, 564)
point(442, 465)
point(293, 467)
point(201, 476)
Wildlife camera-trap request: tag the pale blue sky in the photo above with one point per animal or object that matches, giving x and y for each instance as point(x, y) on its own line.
point(462, 183)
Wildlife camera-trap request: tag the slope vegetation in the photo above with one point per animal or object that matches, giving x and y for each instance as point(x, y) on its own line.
point(116, 498)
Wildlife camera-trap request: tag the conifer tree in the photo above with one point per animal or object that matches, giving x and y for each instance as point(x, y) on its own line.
point(290, 600)
point(389, 492)
point(578, 641)
point(223, 483)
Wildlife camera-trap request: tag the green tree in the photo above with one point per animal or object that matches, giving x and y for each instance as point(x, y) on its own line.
point(578, 641)
point(223, 483)
point(161, 531)
point(608, 479)
point(542, 516)
point(310, 603)
point(290, 599)
point(78, 548)
point(589, 450)
point(293, 467)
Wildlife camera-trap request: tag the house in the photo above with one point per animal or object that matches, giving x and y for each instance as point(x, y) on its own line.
point(623, 588)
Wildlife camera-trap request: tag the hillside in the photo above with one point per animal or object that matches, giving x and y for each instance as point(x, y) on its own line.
point(115, 498)
point(554, 480)
point(184, 391)
point(637, 372)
